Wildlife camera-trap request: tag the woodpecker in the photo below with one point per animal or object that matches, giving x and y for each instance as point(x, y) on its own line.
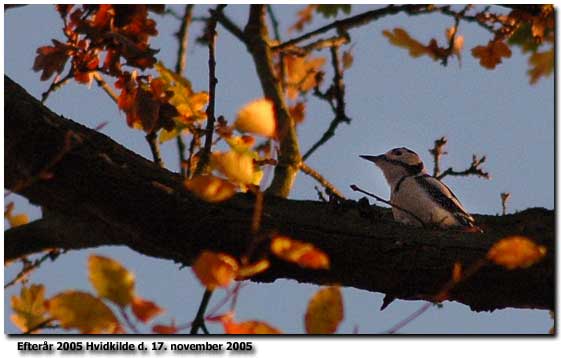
point(418, 197)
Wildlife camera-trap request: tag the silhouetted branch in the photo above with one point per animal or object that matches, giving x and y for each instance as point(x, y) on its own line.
point(474, 169)
point(504, 200)
point(101, 83)
point(152, 139)
point(437, 152)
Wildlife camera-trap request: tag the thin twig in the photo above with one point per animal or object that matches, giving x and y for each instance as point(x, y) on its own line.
point(335, 41)
point(474, 169)
point(228, 24)
point(199, 320)
point(181, 64)
point(437, 152)
point(55, 86)
point(30, 266)
point(276, 31)
point(101, 83)
point(152, 139)
point(128, 321)
point(504, 200)
point(356, 188)
point(212, 81)
point(321, 179)
point(44, 324)
point(338, 108)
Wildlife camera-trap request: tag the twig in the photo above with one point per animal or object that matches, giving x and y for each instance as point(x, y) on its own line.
point(335, 41)
point(152, 139)
point(129, 323)
point(55, 86)
point(195, 143)
point(437, 152)
point(276, 31)
point(474, 169)
point(320, 179)
point(356, 188)
point(30, 266)
point(352, 21)
point(181, 64)
point(228, 24)
point(101, 83)
point(44, 324)
point(199, 321)
point(205, 155)
point(504, 199)
point(338, 88)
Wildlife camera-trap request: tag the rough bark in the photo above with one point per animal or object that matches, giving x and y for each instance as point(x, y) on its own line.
point(105, 194)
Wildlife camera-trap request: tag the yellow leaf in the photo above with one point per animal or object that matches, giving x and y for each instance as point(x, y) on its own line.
point(238, 167)
point(325, 311)
point(400, 38)
point(145, 310)
point(257, 117)
point(516, 252)
point(241, 144)
point(82, 311)
point(253, 268)
point(215, 269)
point(210, 188)
point(29, 308)
point(15, 220)
point(304, 254)
point(111, 280)
point(541, 64)
point(301, 73)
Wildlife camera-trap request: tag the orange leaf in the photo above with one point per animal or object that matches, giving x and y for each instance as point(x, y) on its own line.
point(82, 311)
point(457, 272)
point(516, 252)
point(29, 308)
point(215, 269)
point(51, 59)
point(298, 112)
point(491, 55)
point(253, 268)
point(145, 310)
point(301, 73)
point(248, 327)
point(303, 254)
point(15, 220)
point(257, 117)
point(163, 329)
point(541, 64)
point(111, 280)
point(210, 188)
point(400, 38)
point(325, 311)
point(305, 16)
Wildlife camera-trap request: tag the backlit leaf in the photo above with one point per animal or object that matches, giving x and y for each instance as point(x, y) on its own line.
point(29, 308)
point(248, 327)
point(516, 252)
point(145, 310)
point(82, 311)
point(257, 117)
point(215, 269)
point(301, 73)
point(51, 59)
point(111, 280)
point(164, 329)
point(253, 269)
point(541, 65)
point(400, 38)
point(303, 254)
point(325, 311)
point(17, 219)
point(210, 188)
point(237, 166)
point(305, 16)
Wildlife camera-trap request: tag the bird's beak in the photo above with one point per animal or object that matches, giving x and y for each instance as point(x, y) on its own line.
point(373, 158)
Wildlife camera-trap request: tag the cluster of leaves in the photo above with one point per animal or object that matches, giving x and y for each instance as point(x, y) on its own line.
point(83, 311)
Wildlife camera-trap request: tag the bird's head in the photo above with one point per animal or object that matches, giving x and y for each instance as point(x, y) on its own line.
point(397, 163)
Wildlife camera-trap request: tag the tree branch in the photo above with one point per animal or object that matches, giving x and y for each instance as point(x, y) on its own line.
point(100, 185)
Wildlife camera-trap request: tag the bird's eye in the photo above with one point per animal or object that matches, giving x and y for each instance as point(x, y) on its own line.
point(397, 152)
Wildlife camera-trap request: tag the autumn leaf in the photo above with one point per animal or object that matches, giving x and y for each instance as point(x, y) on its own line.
point(347, 59)
point(237, 166)
point(298, 112)
point(325, 311)
point(332, 10)
point(257, 117)
point(210, 188)
point(491, 55)
point(516, 252)
point(111, 280)
point(400, 38)
point(301, 73)
point(51, 59)
point(17, 219)
point(145, 310)
point(82, 311)
point(305, 16)
point(164, 329)
point(303, 254)
point(252, 269)
point(29, 308)
point(247, 327)
point(541, 65)
point(215, 269)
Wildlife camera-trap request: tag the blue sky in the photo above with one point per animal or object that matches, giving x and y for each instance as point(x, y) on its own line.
point(393, 100)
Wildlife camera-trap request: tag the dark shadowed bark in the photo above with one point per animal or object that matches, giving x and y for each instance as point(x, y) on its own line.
point(104, 194)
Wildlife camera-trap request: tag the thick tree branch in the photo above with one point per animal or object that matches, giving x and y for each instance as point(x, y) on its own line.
point(100, 185)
